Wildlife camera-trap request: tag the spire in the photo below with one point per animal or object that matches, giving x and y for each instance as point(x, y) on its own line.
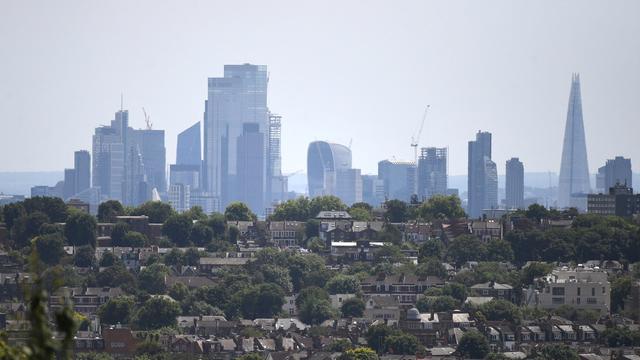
point(574, 169)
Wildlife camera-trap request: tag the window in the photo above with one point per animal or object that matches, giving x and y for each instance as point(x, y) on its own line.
point(593, 291)
point(592, 301)
point(604, 290)
point(578, 291)
point(557, 291)
point(557, 300)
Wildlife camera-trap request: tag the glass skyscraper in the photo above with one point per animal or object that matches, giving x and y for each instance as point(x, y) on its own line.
point(482, 176)
point(323, 161)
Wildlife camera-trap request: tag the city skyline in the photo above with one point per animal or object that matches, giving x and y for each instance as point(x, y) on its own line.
point(533, 92)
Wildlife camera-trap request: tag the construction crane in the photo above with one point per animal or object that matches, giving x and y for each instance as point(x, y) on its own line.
point(416, 138)
point(147, 119)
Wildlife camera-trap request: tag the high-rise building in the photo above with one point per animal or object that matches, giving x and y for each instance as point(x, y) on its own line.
point(250, 167)
point(349, 186)
point(180, 197)
point(69, 183)
point(323, 161)
point(619, 201)
point(108, 162)
point(185, 175)
point(372, 190)
point(277, 184)
point(399, 178)
point(237, 98)
point(514, 184)
point(149, 144)
point(615, 171)
point(188, 151)
point(482, 176)
point(82, 166)
point(574, 170)
point(432, 172)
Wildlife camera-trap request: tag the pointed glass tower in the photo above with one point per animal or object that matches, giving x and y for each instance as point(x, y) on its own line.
point(574, 170)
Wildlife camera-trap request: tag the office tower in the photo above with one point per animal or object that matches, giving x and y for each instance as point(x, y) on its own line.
point(482, 176)
point(432, 172)
point(188, 151)
point(372, 190)
point(180, 197)
point(48, 191)
point(619, 200)
point(615, 171)
point(323, 160)
point(69, 183)
point(250, 167)
point(349, 186)
point(149, 144)
point(277, 184)
point(574, 170)
point(185, 174)
point(108, 162)
point(514, 184)
point(237, 98)
point(399, 179)
point(82, 166)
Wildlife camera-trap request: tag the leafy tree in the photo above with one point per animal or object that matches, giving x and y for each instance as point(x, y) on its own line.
point(455, 290)
point(432, 267)
point(360, 214)
point(555, 352)
point(238, 211)
point(339, 345)
point(342, 284)
point(85, 256)
point(499, 250)
point(312, 228)
point(201, 234)
point(250, 356)
point(353, 307)
point(437, 304)
point(315, 310)
point(191, 257)
point(50, 248)
point(325, 203)
point(466, 248)
point(217, 223)
point(177, 227)
point(134, 239)
point(120, 229)
point(432, 248)
point(311, 292)
point(260, 301)
point(396, 211)
point(441, 207)
point(80, 229)
point(12, 212)
point(26, 227)
point(620, 290)
point(390, 234)
point(196, 213)
point(115, 276)
point(359, 353)
point(473, 345)
point(174, 257)
point(376, 337)
point(108, 259)
point(535, 270)
point(536, 212)
point(293, 210)
point(151, 279)
point(117, 310)
point(402, 343)
point(53, 207)
point(500, 310)
point(157, 312)
point(109, 210)
point(158, 212)
point(179, 291)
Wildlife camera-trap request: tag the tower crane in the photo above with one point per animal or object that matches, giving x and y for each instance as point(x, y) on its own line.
point(415, 139)
point(147, 119)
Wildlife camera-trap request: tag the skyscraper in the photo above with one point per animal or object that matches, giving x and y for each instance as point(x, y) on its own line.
point(574, 169)
point(276, 183)
point(82, 166)
point(482, 176)
point(108, 162)
point(250, 167)
point(323, 161)
point(349, 186)
point(237, 98)
point(514, 184)
point(188, 151)
point(69, 183)
point(149, 144)
point(615, 171)
point(399, 179)
point(432, 172)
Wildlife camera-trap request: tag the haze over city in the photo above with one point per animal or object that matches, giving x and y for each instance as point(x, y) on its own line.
point(346, 72)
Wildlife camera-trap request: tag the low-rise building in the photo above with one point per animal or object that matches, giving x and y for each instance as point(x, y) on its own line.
point(495, 290)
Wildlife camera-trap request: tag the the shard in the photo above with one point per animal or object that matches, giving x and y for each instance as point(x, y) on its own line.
point(574, 169)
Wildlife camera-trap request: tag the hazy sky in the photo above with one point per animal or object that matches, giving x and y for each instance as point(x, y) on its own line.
point(339, 70)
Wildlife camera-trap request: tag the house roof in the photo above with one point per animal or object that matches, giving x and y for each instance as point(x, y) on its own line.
point(492, 285)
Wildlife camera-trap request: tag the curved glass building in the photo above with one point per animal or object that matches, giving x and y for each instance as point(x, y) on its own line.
point(323, 161)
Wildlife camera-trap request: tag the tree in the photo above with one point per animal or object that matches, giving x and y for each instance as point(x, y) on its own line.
point(158, 212)
point(108, 259)
point(465, 248)
point(117, 310)
point(26, 227)
point(217, 223)
point(311, 292)
point(620, 290)
point(455, 290)
point(201, 234)
point(432, 248)
point(360, 214)
point(134, 239)
point(53, 207)
point(339, 345)
point(402, 343)
point(534, 270)
point(437, 304)
point(250, 356)
point(151, 279)
point(353, 307)
point(177, 227)
point(432, 267)
point(325, 203)
point(536, 212)
point(500, 310)
point(315, 310)
point(120, 229)
point(473, 345)
point(238, 211)
point(50, 248)
point(109, 210)
point(157, 312)
point(441, 207)
point(555, 352)
point(499, 250)
point(342, 284)
point(395, 211)
point(85, 256)
point(191, 257)
point(377, 335)
point(116, 276)
point(260, 301)
point(174, 257)
point(292, 210)
point(359, 353)
point(80, 229)
point(12, 212)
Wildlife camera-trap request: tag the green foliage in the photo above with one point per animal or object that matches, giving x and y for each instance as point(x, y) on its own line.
point(191, 257)
point(12, 212)
point(325, 203)
point(26, 227)
point(432, 248)
point(85, 256)
point(536, 212)
point(431, 267)
point(158, 212)
point(499, 250)
point(151, 279)
point(441, 207)
point(473, 345)
point(80, 229)
point(50, 248)
point(115, 276)
point(118, 310)
point(292, 210)
point(620, 290)
point(466, 248)
point(359, 353)
point(535, 270)
point(238, 211)
point(109, 210)
point(455, 290)
point(579, 316)
point(53, 207)
point(134, 239)
point(501, 310)
point(554, 352)
point(437, 304)
point(402, 343)
point(174, 257)
point(108, 259)
point(216, 222)
point(178, 227)
point(360, 214)
point(620, 336)
point(120, 229)
point(342, 284)
point(396, 211)
point(311, 292)
point(353, 307)
point(339, 345)
point(376, 337)
point(261, 301)
point(201, 234)
point(315, 310)
point(390, 234)
point(157, 312)
point(250, 356)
